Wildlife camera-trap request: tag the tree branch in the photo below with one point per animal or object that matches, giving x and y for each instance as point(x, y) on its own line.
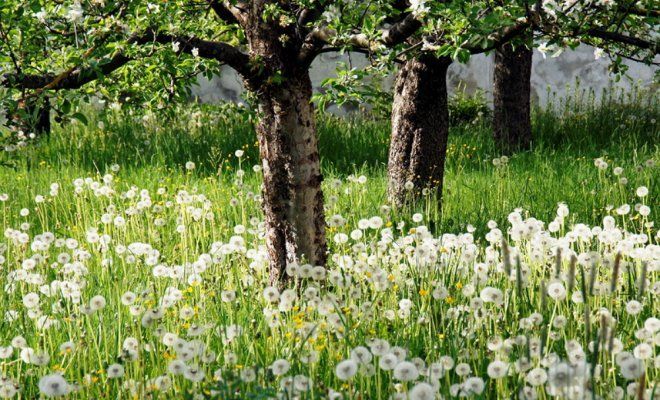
point(639, 11)
point(308, 15)
point(222, 52)
point(390, 37)
point(223, 12)
point(73, 78)
point(621, 38)
point(228, 12)
point(76, 77)
point(401, 31)
point(502, 37)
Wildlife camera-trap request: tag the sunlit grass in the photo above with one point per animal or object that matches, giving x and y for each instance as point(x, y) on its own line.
point(178, 258)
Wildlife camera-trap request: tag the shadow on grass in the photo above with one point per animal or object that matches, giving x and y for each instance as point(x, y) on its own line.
point(579, 125)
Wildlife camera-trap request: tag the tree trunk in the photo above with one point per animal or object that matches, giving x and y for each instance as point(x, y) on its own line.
point(512, 127)
point(420, 127)
point(292, 196)
point(293, 200)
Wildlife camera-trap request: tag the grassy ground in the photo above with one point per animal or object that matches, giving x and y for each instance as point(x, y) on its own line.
point(568, 138)
point(454, 310)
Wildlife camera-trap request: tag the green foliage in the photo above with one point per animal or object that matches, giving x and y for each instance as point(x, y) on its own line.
point(353, 88)
point(467, 108)
point(357, 87)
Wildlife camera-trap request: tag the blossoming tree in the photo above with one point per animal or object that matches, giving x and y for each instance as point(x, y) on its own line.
point(622, 30)
point(144, 52)
point(444, 31)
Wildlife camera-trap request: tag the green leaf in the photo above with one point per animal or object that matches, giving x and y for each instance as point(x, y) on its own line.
point(66, 106)
point(80, 117)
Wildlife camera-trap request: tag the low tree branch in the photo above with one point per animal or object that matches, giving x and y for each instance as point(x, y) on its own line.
point(72, 78)
point(395, 34)
point(77, 76)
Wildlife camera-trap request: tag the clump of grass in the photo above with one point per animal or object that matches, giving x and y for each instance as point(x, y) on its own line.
point(618, 120)
point(467, 108)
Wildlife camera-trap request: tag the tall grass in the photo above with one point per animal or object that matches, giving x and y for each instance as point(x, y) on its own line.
point(466, 302)
point(568, 135)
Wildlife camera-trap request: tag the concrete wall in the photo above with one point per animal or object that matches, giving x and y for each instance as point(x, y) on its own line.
point(555, 73)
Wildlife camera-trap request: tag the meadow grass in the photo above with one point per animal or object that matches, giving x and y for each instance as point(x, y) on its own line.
point(569, 134)
point(185, 309)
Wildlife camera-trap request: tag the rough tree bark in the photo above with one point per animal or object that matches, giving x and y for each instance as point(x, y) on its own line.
point(293, 200)
point(512, 127)
point(420, 127)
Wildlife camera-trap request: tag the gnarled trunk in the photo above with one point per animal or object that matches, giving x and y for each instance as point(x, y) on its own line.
point(420, 127)
point(292, 196)
point(293, 200)
point(512, 127)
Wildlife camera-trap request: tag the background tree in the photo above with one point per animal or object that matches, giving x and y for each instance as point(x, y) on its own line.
point(447, 31)
point(437, 34)
point(624, 30)
point(136, 52)
point(512, 124)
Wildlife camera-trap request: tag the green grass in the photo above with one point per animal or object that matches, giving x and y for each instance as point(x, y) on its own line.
point(183, 213)
point(568, 137)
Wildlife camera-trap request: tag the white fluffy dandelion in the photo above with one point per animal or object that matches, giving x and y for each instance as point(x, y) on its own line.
point(54, 385)
point(405, 371)
point(115, 371)
point(280, 367)
point(346, 370)
point(422, 391)
point(497, 369)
